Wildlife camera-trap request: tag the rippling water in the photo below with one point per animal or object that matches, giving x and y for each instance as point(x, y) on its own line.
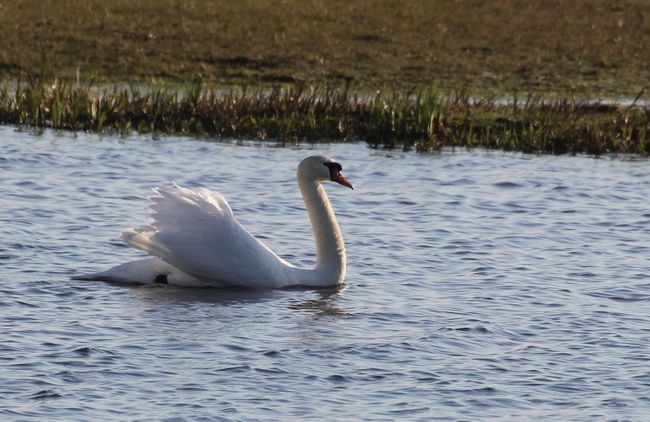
point(481, 285)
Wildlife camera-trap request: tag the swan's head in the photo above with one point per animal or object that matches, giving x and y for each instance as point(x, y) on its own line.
point(322, 169)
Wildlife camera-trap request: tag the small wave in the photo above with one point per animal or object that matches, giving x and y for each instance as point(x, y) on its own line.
point(508, 185)
point(477, 329)
point(45, 394)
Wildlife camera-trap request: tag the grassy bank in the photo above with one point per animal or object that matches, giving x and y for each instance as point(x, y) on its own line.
point(561, 48)
point(299, 59)
point(424, 119)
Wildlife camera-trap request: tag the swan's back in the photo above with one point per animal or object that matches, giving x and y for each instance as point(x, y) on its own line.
point(196, 232)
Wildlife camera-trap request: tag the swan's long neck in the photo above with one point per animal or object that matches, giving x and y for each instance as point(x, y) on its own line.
point(330, 248)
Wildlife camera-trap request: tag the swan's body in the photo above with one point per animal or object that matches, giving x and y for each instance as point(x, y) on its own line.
point(196, 240)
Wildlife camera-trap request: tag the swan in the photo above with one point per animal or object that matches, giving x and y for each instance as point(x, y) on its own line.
point(196, 241)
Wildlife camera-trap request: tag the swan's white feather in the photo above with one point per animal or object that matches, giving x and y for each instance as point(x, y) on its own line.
point(196, 232)
point(144, 271)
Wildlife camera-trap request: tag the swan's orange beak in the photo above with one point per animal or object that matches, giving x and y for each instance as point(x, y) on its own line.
point(338, 178)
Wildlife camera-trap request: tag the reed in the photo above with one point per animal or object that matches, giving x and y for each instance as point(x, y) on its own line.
point(421, 119)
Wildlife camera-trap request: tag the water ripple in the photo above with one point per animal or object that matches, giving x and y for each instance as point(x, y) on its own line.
point(481, 285)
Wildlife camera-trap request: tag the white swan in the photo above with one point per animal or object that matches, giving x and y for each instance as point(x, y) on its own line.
point(196, 240)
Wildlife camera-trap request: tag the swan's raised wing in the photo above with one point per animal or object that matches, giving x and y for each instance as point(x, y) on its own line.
point(196, 232)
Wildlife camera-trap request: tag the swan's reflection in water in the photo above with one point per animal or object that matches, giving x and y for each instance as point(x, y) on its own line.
point(167, 294)
point(326, 304)
point(318, 303)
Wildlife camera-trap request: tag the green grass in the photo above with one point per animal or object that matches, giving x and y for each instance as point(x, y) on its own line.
point(560, 49)
point(422, 119)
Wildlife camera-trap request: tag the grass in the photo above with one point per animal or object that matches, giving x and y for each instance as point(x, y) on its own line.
point(420, 119)
point(379, 71)
point(560, 48)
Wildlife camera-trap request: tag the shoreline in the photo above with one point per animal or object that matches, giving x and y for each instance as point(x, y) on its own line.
point(424, 119)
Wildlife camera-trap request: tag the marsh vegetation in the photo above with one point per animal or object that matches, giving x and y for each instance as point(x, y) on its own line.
point(422, 119)
point(512, 75)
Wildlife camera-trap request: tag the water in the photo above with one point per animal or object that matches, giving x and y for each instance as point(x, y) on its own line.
point(481, 285)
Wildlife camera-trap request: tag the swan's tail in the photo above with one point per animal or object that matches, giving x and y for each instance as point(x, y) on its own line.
point(145, 271)
point(101, 276)
point(140, 272)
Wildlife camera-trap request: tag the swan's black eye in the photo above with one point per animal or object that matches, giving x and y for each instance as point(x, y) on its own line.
point(332, 166)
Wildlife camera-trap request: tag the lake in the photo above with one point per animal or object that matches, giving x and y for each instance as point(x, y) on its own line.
point(481, 285)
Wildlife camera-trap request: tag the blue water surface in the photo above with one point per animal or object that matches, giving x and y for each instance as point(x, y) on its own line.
point(481, 285)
